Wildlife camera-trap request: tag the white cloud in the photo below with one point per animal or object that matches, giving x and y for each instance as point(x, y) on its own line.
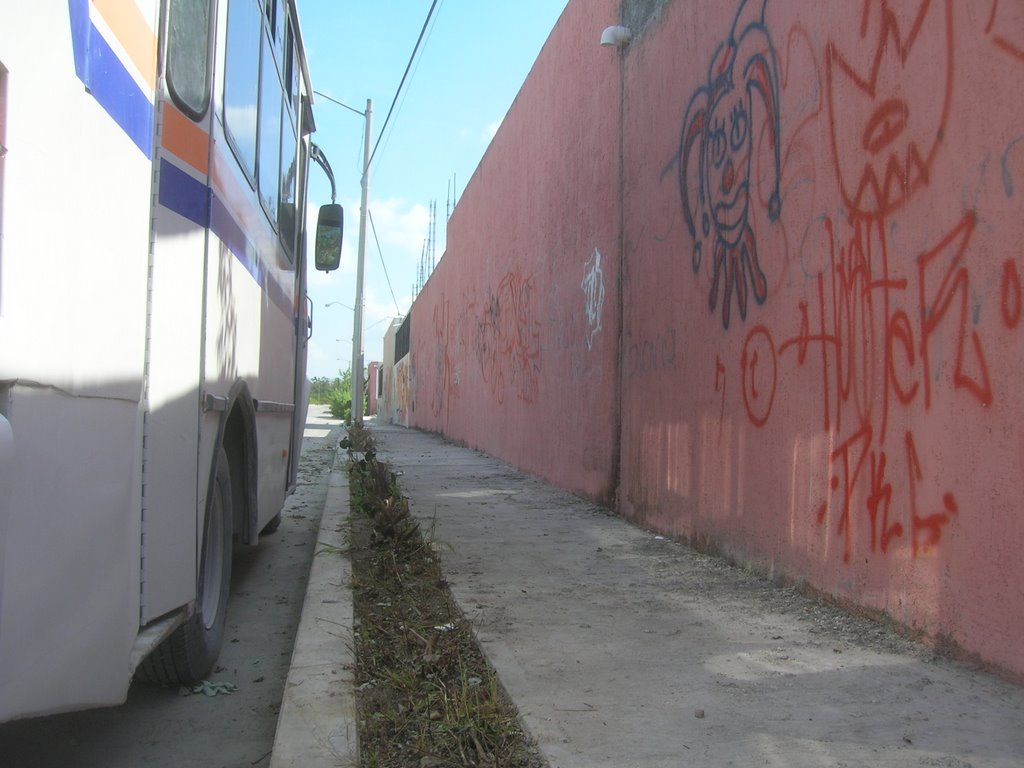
point(401, 228)
point(400, 224)
point(491, 130)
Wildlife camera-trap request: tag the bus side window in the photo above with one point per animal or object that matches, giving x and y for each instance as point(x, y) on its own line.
point(188, 56)
point(288, 215)
point(241, 81)
point(270, 133)
point(291, 73)
point(289, 177)
point(280, 22)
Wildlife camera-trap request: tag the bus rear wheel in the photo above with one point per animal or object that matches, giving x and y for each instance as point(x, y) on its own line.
point(188, 655)
point(272, 526)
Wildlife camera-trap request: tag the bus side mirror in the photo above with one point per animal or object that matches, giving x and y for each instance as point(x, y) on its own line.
point(329, 226)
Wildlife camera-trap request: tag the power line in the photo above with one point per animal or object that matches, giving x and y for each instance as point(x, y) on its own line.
point(386, 137)
point(385, 266)
point(408, 66)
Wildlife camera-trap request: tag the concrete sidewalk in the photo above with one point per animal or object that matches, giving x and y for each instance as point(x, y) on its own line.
point(621, 648)
point(316, 725)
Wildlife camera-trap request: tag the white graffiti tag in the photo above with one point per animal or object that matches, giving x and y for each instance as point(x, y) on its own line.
point(593, 291)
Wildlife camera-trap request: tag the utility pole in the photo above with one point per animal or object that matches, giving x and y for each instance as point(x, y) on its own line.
point(357, 323)
point(357, 310)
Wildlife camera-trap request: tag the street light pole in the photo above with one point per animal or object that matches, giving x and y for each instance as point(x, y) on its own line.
point(357, 324)
point(357, 321)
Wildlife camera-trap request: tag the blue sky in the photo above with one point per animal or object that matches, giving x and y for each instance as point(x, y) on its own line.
point(473, 59)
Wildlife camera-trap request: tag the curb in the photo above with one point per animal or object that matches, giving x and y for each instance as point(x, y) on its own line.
point(316, 725)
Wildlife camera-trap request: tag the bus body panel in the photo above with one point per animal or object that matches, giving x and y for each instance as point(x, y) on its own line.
point(144, 293)
point(172, 424)
point(70, 587)
point(175, 462)
point(72, 342)
point(66, 287)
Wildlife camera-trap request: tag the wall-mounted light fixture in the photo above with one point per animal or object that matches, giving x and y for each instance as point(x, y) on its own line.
point(616, 37)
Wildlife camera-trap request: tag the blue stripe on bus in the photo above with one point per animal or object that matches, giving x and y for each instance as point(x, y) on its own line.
point(184, 195)
point(226, 228)
point(192, 199)
point(78, 11)
point(108, 80)
point(281, 299)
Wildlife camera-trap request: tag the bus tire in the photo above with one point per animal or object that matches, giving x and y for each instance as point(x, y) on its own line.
point(188, 655)
point(272, 525)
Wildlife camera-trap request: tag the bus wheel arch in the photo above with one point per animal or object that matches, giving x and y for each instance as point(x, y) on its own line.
point(190, 652)
point(238, 437)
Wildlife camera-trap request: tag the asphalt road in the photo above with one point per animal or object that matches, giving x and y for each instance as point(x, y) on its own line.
point(160, 727)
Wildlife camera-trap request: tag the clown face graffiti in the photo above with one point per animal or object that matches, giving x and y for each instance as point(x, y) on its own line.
point(727, 165)
point(714, 161)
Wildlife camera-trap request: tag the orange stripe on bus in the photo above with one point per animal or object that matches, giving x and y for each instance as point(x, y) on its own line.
point(185, 139)
point(129, 26)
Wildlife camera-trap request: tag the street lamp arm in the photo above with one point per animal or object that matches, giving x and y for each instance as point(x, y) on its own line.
point(335, 101)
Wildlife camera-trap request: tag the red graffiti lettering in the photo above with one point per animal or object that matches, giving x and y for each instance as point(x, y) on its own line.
point(877, 356)
point(872, 344)
point(760, 375)
point(507, 341)
point(971, 371)
point(1010, 299)
point(443, 366)
point(889, 330)
point(1000, 38)
point(927, 528)
point(884, 145)
point(880, 500)
point(900, 333)
point(850, 457)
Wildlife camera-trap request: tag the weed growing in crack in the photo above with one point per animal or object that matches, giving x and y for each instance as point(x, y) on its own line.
point(375, 492)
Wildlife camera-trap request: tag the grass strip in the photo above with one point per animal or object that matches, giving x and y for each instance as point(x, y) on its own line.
point(426, 696)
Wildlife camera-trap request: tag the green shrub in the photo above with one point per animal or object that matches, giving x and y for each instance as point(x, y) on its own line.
point(336, 393)
point(340, 402)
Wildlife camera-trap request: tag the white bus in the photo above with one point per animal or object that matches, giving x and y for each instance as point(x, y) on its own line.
point(153, 329)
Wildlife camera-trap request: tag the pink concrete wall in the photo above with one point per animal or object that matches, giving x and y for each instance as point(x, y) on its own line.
point(819, 371)
point(373, 371)
point(514, 337)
